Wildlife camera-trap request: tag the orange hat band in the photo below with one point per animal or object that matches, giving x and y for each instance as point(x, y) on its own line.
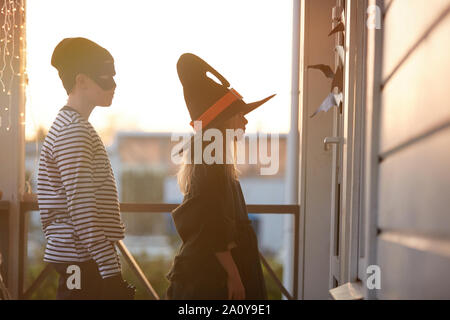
point(218, 107)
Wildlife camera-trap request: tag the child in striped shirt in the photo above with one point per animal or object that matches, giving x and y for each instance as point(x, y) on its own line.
point(77, 192)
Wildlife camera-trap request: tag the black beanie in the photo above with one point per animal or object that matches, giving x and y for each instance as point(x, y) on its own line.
point(80, 55)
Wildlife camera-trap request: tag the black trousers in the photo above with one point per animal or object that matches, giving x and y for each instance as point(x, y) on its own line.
point(91, 281)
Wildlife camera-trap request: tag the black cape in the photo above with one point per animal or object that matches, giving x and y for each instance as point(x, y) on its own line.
point(211, 216)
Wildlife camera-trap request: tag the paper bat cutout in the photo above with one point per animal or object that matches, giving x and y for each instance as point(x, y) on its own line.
point(330, 101)
point(324, 68)
point(339, 97)
point(336, 76)
point(338, 79)
point(341, 17)
point(339, 28)
point(336, 96)
point(340, 51)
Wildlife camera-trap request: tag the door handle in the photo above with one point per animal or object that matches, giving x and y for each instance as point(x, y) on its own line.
point(331, 140)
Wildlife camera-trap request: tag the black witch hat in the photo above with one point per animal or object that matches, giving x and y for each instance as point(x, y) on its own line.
point(208, 101)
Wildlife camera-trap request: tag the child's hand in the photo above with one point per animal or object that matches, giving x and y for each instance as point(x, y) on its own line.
point(236, 290)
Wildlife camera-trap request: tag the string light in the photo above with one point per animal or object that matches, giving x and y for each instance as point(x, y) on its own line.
point(13, 15)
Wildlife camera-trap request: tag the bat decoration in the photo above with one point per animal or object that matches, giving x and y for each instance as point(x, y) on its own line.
point(341, 52)
point(339, 97)
point(340, 17)
point(325, 69)
point(336, 76)
point(338, 79)
point(336, 96)
point(330, 101)
point(339, 28)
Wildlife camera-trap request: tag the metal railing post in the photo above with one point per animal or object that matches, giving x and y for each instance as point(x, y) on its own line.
point(136, 269)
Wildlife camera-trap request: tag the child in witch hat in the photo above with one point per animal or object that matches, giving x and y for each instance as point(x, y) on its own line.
point(219, 257)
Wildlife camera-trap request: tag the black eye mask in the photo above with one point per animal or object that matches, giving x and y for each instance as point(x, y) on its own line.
point(103, 74)
point(105, 83)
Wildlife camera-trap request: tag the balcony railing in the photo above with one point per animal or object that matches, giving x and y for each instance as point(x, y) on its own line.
point(26, 207)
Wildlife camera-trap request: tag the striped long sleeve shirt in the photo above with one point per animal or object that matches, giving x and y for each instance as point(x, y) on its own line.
point(77, 195)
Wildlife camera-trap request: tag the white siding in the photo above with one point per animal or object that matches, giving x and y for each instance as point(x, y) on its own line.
point(413, 247)
point(415, 188)
point(415, 99)
point(413, 267)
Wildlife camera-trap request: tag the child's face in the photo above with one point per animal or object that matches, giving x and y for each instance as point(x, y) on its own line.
point(238, 121)
point(97, 95)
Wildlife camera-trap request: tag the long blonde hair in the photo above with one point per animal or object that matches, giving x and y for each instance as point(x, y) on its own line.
point(187, 170)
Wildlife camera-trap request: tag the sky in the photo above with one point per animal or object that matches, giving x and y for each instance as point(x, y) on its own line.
point(247, 41)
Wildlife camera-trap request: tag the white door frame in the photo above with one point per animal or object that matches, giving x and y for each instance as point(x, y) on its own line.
point(373, 81)
point(315, 163)
point(348, 171)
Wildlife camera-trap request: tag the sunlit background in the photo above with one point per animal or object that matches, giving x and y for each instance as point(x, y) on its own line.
point(249, 42)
